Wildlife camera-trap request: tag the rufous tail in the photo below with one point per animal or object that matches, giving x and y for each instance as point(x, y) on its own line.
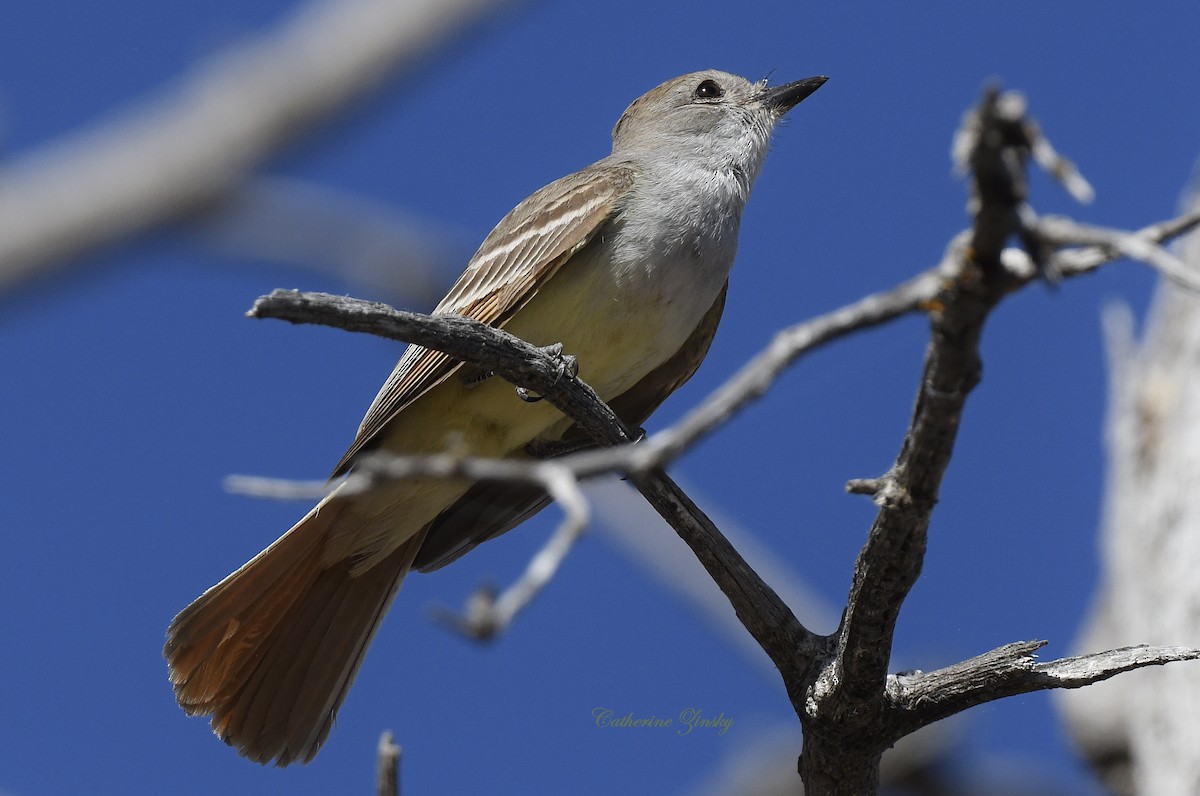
point(271, 651)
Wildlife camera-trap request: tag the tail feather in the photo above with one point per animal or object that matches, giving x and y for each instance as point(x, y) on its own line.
point(271, 651)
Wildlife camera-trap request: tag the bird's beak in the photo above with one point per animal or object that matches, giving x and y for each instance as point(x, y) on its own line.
point(782, 99)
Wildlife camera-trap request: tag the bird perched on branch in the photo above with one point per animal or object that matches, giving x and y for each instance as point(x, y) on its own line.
point(624, 263)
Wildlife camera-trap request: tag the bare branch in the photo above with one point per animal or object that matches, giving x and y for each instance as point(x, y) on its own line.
point(1086, 258)
point(472, 342)
point(994, 142)
point(846, 705)
point(755, 377)
point(916, 295)
point(890, 562)
point(1061, 169)
point(185, 150)
point(626, 518)
point(1004, 117)
point(992, 146)
point(792, 647)
point(1065, 232)
point(1082, 670)
point(925, 697)
point(387, 772)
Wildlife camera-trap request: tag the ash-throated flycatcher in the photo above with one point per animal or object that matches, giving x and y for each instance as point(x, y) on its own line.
point(626, 264)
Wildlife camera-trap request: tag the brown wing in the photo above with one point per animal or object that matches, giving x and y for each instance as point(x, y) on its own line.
point(524, 250)
point(489, 509)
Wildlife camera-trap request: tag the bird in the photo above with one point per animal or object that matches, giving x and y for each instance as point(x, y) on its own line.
point(625, 264)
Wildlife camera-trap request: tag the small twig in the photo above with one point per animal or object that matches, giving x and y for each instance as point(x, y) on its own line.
point(1061, 169)
point(865, 486)
point(1081, 670)
point(992, 146)
point(488, 614)
point(1085, 259)
point(1065, 232)
point(755, 377)
point(387, 771)
point(275, 488)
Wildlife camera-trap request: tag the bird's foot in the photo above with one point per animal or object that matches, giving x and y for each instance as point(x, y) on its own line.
point(563, 363)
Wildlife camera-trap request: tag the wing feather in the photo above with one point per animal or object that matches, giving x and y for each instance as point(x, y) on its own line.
point(525, 249)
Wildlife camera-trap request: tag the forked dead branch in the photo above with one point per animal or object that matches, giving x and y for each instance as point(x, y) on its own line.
point(851, 709)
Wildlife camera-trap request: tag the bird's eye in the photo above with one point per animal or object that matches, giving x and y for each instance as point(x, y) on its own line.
point(708, 89)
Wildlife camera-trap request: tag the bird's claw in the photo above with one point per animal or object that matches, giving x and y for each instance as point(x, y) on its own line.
point(528, 397)
point(564, 364)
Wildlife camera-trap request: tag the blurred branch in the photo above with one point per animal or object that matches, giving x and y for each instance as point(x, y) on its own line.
point(184, 151)
point(276, 488)
point(488, 614)
point(404, 259)
point(1064, 231)
point(1072, 262)
point(387, 772)
point(1139, 733)
point(1000, 129)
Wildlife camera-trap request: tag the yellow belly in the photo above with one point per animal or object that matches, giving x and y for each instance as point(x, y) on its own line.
point(619, 327)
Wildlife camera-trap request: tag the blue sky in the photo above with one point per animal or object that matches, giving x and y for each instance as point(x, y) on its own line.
point(135, 385)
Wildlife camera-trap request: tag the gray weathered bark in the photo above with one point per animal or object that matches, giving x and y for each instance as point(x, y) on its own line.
point(1141, 731)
